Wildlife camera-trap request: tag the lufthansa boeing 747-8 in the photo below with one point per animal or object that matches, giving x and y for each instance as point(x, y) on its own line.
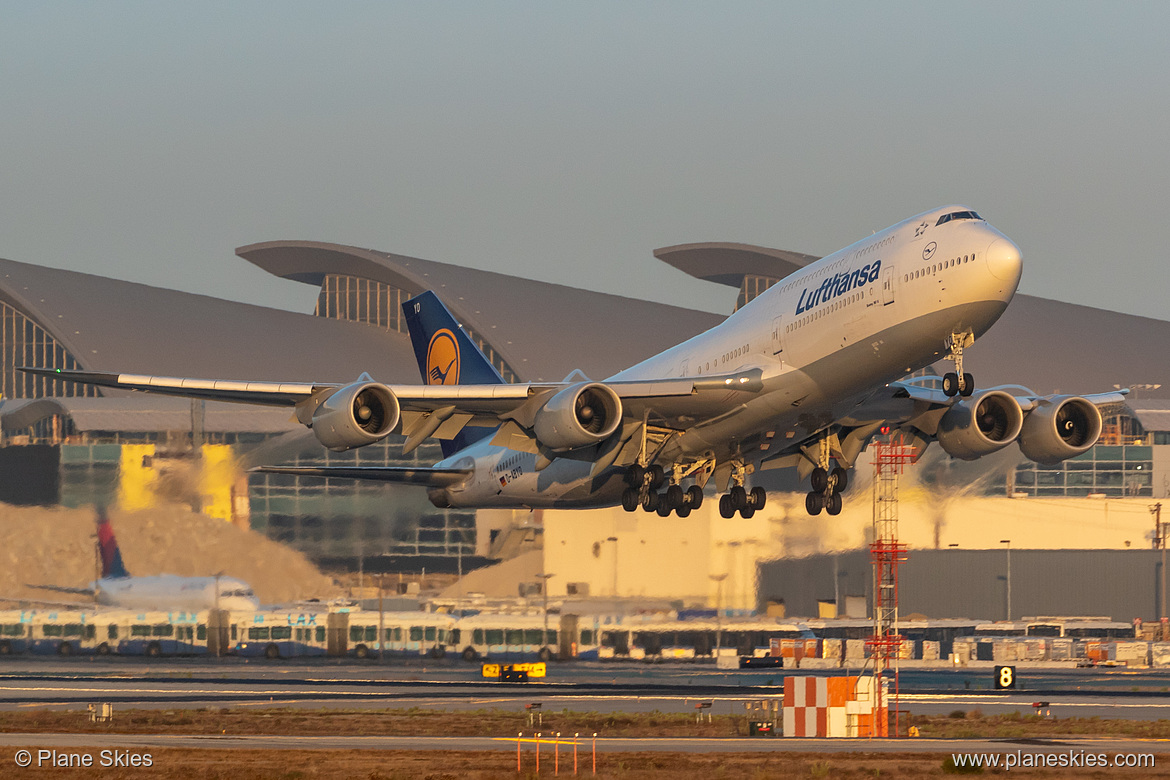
point(803, 376)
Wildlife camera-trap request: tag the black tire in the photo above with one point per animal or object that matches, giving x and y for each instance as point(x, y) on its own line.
point(361, 651)
point(657, 476)
point(65, 648)
point(650, 501)
point(747, 512)
point(663, 509)
point(470, 654)
point(950, 384)
point(818, 480)
point(738, 497)
point(630, 499)
point(726, 510)
point(5, 647)
point(968, 385)
point(272, 652)
point(437, 652)
point(758, 497)
point(833, 504)
point(546, 655)
point(813, 503)
point(154, 650)
point(102, 649)
point(842, 480)
point(683, 511)
point(695, 496)
point(634, 475)
point(674, 496)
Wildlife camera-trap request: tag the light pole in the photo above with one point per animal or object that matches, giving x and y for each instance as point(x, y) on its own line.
point(615, 565)
point(1008, 542)
point(718, 580)
point(544, 592)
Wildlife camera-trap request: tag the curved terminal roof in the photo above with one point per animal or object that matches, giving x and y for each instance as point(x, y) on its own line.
point(728, 263)
point(145, 414)
point(111, 325)
point(542, 330)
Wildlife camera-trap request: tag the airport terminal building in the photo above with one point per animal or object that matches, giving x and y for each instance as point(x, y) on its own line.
point(61, 443)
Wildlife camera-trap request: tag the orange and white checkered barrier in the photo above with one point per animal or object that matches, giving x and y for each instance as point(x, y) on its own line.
point(832, 707)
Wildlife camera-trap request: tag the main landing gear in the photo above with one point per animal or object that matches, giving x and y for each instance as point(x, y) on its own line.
point(956, 382)
point(826, 490)
point(740, 499)
point(643, 483)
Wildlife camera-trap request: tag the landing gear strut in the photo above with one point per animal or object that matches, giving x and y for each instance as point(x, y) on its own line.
point(956, 382)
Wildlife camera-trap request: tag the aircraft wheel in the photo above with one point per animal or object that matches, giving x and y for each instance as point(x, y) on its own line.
point(833, 504)
point(674, 496)
point(758, 497)
point(813, 503)
point(726, 510)
point(968, 385)
point(630, 499)
point(650, 501)
point(684, 510)
point(695, 496)
point(664, 507)
point(950, 384)
point(738, 497)
point(746, 512)
point(657, 476)
point(819, 480)
point(842, 479)
point(634, 475)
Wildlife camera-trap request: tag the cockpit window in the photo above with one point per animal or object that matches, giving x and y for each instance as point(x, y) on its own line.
point(957, 215)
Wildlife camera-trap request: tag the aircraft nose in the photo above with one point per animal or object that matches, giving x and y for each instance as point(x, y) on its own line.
point(1003, 260)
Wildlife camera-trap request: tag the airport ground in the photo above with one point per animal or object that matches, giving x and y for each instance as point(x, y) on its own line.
point(208, 719)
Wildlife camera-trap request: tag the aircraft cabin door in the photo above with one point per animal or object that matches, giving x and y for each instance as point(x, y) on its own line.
point(888, 286)
point(777, 335)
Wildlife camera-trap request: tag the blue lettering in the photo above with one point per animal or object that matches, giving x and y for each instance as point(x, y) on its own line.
point(853, 280)
point(800, 307)
point(873, 274)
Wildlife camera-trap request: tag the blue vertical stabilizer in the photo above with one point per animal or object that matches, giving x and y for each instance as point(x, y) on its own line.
point(447, 356)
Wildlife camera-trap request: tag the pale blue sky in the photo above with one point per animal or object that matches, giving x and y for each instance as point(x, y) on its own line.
point(565, 142)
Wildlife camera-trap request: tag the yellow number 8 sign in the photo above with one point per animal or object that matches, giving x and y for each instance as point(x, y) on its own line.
point(1005, 677)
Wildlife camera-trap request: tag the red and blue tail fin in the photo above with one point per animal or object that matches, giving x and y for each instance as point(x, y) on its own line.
point(112, 567)
point(447, 356)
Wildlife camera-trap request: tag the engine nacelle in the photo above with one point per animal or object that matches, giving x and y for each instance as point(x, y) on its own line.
point(1061, 427)
point(980, 425)
point(356, 415)
point(578, 416)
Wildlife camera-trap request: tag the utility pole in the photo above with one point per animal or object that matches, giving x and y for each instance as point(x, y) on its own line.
point(1008, 542)
point(544, 592)
point(1160, 543)
point(718, 579)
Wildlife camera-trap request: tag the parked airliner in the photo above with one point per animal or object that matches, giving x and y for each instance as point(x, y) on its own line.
point(117, 588)
point(803, 376)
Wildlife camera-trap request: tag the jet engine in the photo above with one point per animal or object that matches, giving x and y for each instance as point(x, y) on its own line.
point(1061, 427)
point(980, 425)
point(356, 415)
point(578, 416)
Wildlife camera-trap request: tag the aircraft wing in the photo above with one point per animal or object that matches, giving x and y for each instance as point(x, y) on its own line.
point(58, 589)
point(666, 400)
point(403, 475)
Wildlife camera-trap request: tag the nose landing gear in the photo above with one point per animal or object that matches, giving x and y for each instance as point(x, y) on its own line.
point(956, 382)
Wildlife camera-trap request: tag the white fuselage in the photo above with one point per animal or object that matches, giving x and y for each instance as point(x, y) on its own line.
point(824, 337)
point(171, 592)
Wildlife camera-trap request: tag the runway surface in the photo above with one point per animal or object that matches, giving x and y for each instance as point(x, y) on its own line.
point(453, 685)
point(610, 745)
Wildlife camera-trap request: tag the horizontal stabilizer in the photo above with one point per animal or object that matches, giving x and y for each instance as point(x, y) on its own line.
point(56, 589)
point(399, 474)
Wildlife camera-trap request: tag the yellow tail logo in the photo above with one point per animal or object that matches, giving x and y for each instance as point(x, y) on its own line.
point(443, 359)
